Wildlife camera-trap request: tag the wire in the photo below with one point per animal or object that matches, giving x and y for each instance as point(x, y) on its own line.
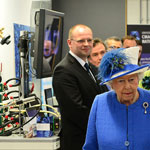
point(9, 131)
point(16, 79)
point(49, 112)
point(52, 108)
point(39, 111)
point(10, 92)
point(57, 113)
point(6, 105)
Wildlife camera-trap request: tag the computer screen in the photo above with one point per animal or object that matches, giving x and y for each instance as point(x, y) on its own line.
point(48, 41)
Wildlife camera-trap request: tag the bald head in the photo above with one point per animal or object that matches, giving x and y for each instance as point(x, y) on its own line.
point(80, 28)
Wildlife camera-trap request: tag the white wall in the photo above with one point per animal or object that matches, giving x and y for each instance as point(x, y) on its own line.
point(138, 11)
point(15, 11)
point(11, 11)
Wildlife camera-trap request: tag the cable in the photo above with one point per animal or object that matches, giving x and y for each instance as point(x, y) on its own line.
point(41, 111)
point(57, 113)
point(10, 131)
point(16, 79)
point(10, 92)
point(52, 108)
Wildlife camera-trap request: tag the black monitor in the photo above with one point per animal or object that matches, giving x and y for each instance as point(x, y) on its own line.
point(48, 96)
point(48, 41)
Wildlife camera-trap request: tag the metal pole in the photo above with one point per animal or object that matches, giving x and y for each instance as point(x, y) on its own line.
point(22, 73)
point(141, 12)
point(147, 11)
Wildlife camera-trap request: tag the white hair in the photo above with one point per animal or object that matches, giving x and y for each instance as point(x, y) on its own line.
point(140, 77)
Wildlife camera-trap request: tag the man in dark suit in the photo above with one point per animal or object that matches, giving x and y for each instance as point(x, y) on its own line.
point(75, 88)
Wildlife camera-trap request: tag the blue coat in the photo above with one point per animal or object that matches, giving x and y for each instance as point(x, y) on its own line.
point(114, 126)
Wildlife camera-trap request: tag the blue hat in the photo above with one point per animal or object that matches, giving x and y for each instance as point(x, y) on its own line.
point(120, 62)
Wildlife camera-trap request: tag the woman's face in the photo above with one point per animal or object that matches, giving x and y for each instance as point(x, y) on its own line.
point(126, 88)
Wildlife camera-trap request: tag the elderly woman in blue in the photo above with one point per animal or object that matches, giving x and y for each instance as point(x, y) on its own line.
point(120, 119)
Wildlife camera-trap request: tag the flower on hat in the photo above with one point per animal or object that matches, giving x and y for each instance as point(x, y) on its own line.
point(112, 62)
point(117, 63)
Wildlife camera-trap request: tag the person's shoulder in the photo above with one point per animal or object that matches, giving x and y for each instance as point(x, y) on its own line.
point(103, 100)
point(104, 96)
point(63, 62)
point(144, 94)
point(144, 91)
point(67, 60)
point(66, 67)
point(108, 93)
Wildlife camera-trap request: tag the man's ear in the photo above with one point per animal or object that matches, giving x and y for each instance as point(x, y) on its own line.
point(69, 42)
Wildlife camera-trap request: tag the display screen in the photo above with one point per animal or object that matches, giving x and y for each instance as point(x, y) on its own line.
point(48, 96)
point(48, 42)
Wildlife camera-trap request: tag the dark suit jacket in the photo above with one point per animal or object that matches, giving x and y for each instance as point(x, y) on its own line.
point(75, 91)
point(95, 72)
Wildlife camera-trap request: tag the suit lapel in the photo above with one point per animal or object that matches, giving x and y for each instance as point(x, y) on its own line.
point(80, 69)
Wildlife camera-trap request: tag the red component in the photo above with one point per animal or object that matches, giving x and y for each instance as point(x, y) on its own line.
point(11, 107)
point(12, 118)
point(6, 117)
point(10, 85)
point(17, 123)
point(9, 125)
point(32, 88)
point(1, 129)
point(5, 83)
point(11, 97)
point(5, 95)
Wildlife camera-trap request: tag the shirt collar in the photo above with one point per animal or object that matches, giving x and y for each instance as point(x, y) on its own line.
point(82, 62)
